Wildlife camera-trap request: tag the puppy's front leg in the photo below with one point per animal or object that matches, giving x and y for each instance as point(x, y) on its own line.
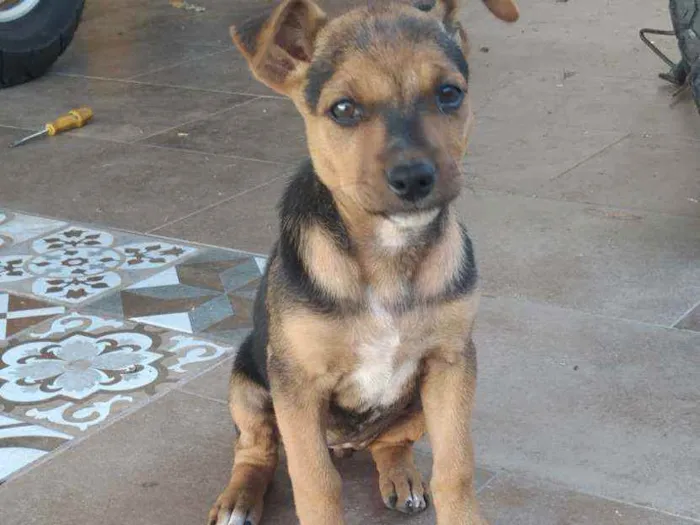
point(447, 393)
point(301, 414)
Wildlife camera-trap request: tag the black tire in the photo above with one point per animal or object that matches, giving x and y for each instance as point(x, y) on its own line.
point(30, 45)
point(685, 15)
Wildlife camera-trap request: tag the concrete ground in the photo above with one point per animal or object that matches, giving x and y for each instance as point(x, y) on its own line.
point(583, 203)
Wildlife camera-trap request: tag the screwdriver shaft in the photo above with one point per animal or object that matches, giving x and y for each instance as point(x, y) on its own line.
point(30, 137)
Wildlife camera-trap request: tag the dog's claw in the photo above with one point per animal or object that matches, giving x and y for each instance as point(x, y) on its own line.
point(406, 489)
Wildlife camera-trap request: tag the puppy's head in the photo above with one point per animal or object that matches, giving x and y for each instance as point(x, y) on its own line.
point(383, 92)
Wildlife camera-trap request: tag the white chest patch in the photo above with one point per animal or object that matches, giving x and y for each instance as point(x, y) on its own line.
point(397, 231)
point(378, 377)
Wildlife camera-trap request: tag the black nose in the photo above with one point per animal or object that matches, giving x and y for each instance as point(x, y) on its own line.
point(412, 181)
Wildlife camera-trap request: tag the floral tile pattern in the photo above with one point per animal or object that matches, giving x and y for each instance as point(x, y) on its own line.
point(78, 263)
point(210, 293)
point(22, 443)
point(74, 372)
point(16, 228)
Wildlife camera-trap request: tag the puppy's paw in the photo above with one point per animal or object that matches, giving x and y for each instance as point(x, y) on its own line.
point(403, 490)
point(239, 504)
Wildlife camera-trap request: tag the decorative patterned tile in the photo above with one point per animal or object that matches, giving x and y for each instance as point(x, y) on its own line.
point(76, 371)
point(16, 228)
point(18, 313)
point(79, 263)
point(22, 443)
point(210, 293)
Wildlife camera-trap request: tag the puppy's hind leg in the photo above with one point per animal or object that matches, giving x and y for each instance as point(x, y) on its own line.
point(255, 458)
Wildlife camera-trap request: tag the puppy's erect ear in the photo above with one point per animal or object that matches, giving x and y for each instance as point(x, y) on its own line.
point(279, 44)
point(446, 10)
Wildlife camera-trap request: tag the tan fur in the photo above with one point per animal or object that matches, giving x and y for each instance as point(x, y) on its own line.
point(256, 451)
point(404, 350)
point(399, 479)
point(444, 256)
point(332, 270)
point(448, 398)
point(355, 172)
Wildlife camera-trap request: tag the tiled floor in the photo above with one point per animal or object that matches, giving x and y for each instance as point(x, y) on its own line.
point(120, 313)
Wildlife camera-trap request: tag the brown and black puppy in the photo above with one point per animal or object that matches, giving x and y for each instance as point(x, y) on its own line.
point(363, 320)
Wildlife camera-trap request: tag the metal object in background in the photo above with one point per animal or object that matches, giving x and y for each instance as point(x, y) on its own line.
point(685, 16)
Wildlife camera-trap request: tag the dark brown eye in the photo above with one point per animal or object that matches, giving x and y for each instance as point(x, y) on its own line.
point(346, 113)
point(449, 98)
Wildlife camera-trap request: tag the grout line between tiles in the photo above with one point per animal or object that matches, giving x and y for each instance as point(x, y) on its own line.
point(476, 189)
point(491, 480)
point(169, 148)
point(536, 302)
point(206, 117)
point(7, 126)
point(202, 396)
point(501, 473)
point(590, 157)
point(219, 203)
point(218, 51)
point(696, 305)
point(200, 152)
point(160, 84)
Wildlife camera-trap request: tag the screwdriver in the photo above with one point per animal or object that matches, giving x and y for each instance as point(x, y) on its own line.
point(76, 118)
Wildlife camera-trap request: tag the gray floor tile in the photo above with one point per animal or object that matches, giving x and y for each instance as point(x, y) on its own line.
point(514, 499)
point(214, 383)
point(648, 172)
point(691, 320)
point(123, 111)
point(227, 71)
point(165, 465)
point(635, 265)
point(232, 223)
point(506, 159)
point(602, 406)
point(122, 56)
point(246, 131)
point(134, 37)
point(159, 21)
point(592, 104)
point(127, 186)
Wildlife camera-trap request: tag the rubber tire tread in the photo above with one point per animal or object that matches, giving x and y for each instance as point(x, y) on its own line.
point(30, 45)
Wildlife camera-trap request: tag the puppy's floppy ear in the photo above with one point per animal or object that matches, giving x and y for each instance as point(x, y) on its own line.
point(506, 10)
point(279, 44)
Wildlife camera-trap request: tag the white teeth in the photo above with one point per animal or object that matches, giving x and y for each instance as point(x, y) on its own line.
point(414, 220)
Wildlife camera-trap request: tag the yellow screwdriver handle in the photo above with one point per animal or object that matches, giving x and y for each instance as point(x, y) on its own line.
point(75, 118)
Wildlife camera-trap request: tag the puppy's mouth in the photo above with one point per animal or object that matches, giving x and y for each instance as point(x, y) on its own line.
point(415, 219)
